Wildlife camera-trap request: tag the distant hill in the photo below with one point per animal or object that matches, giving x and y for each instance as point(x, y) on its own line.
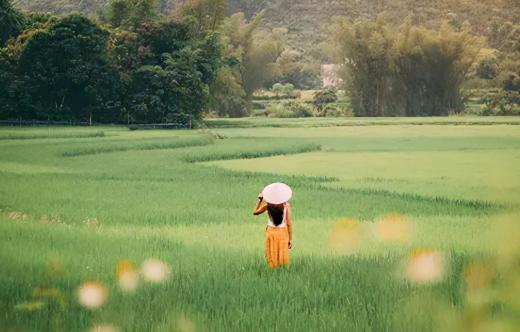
point(307, 19)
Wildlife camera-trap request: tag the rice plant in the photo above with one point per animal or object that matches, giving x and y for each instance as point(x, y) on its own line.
point(153, 231)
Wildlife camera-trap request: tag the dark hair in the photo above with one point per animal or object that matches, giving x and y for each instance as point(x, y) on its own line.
point(276, 214)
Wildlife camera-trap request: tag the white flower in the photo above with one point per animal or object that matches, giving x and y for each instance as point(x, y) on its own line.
point(154, 270)
point(92, 294)
point(425, 266)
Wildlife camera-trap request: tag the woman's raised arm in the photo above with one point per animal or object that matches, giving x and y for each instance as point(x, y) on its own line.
point(261, 206)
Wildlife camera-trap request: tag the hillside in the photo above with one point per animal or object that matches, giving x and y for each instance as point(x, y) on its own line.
point(307, 19)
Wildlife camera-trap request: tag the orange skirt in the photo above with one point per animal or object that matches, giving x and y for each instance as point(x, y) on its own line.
point(277, 247)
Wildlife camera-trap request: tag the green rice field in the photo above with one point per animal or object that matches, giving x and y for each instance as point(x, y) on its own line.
point(399, 225)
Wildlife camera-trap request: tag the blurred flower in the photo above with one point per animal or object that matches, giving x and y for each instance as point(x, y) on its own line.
point(127, 276)
point(425, 266)
point(92, 294)
point(154, 270)
point(393, 227)
point(105, 328)
point(345, 237)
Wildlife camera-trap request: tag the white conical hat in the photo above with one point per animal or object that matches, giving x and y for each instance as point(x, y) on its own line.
point(277, 193)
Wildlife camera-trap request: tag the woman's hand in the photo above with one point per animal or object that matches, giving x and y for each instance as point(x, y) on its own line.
point(290, 244)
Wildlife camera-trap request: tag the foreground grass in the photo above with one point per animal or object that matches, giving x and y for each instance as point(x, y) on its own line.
point(75, 206)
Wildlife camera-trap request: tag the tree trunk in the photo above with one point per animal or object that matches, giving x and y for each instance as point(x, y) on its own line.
point(249, 103)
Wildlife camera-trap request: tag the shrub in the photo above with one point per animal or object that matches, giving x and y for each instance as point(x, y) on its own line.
point(277, 89)
point(487, 68)
point(300, 110)
point(283, 91)
point(288, 89)
point(295, 95)
point(290, 109)
point(512, 83)
point(323, 98)
point(258, 106)
point(278, 111)
point(259, 112)
point(479, 83)
point(503, 103)
point(336, 111)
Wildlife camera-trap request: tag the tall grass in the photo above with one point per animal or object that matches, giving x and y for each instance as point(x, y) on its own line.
point(65, 221)
point(40, 134)
point(253, 153)
point(141, 144)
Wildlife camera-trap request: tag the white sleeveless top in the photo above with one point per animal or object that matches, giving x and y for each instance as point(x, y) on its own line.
point(270, 222)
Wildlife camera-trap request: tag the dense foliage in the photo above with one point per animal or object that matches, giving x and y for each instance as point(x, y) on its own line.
point(173, 61)
point(306, 17)
point(11, 21)
point(408, 71)
point(250, 62)
point(135, 68)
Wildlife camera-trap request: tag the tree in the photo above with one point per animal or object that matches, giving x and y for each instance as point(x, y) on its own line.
point(11, 21)
point(156, 39)
point(65, 73)
point(322, 99)
point(203, 16)
point(252, 53)
point(131, 14)
point(258, 64)
point(412, 71)
point(228, 98)
point(431, 67)
point(298, 70)
point(138, 68)
point(118, 13)
point(7, 68)
point(172, 82)
point(364, 49)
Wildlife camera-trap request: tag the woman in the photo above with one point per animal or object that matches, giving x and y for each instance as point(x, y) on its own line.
point(278, 239)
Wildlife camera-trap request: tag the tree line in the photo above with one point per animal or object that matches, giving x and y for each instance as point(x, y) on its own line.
point(406, 70)
point(132, 64)
point(134, 68)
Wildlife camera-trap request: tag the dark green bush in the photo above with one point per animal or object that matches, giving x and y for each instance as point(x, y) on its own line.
point(487, 68)
point(289, 109)
point(512, 83)
point(337, 111)
point(323, 98)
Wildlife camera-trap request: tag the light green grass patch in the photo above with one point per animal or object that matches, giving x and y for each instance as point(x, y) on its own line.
point(467, 175)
